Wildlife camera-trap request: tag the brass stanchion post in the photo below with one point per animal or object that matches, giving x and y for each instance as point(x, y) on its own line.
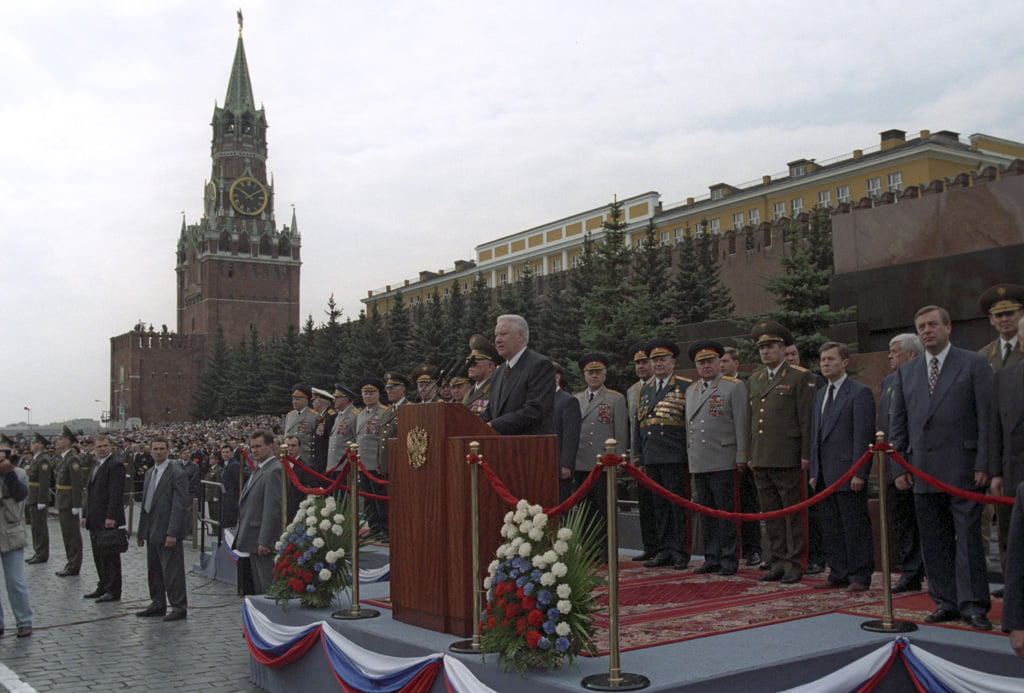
point(284, 488)
point(355, 611)
point(887, 624)
point(615, 679)
point(472, 646)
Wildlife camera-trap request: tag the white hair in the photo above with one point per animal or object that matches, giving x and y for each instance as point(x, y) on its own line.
point(518, 322)
point(908, 342)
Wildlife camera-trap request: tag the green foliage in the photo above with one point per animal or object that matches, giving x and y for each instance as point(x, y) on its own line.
point(696, 293)
point(209, 396)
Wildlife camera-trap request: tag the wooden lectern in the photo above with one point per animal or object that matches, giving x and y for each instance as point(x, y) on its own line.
point(429, 508)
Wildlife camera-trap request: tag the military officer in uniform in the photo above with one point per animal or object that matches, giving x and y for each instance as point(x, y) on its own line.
point(459, 385)
point(781, 396)
point(39, 498)
point(68, 474)
point(396, 385)
point(425, 377)
point(645, 500)
point(603, 415)
point(483, 359)
point(716, 446)
point(301, 421)
point(344, 430)
point(322, 405)
point(661, 447)
point(368, 439)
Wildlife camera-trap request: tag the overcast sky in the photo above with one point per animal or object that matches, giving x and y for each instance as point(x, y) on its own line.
point(406, 133)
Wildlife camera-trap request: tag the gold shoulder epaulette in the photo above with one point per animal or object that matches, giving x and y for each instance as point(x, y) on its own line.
point(684, 379)
point(799, 369)
point(615, 392)
point(730, 379)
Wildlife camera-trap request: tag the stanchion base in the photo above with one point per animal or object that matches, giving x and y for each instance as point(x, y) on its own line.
point(897, 627)
point(465, 647)
point(625, 682)
point(355, 615)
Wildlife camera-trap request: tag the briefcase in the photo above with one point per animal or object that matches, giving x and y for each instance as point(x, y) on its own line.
point(112, 538)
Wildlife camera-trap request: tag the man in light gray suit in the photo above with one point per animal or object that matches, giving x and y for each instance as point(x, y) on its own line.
point(259, 511)
point(716, 445)
point(603, 415)
point(164, 524)
point(940, 420)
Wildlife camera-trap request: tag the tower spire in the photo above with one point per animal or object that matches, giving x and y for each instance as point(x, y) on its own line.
point(239, 98)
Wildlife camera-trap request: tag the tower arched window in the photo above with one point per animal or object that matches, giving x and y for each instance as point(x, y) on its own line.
point(229, 123)
point(266, 246)
point(243, 243)
point(224, 242)
point(247, 124)
point(284, 247)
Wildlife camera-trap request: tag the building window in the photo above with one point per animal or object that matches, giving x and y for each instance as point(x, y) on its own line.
point(874, 187)
point(737, 220)
point(717, 194)
point(715, 227)
point(503, 279)
point(825, 198)
point(796, 206)
point(577, 260)
point(895, 182)
point(755, 217)
point(843, 194)
point(538, 270)
point(664, 238)
point(556, 265)
point(677, 235)
point(638, 242)
point(447, 291)
point(778, 210)
point(798, 170)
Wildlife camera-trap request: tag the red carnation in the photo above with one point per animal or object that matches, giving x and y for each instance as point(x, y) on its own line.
point(520, 626)
point(308, 578)
point(513, 609)
point(529, 603)
point(535, 618)
point(532, 638)
point(521, 592)
point(491, 622)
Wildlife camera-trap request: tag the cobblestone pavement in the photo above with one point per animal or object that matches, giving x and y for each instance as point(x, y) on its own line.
point(79, 645)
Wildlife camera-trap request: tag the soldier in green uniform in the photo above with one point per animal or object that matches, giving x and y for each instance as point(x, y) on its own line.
point(67, 471)
point(39, 499)
point(780, 396)
point(425, 376)
point(396, 385)
point(482, 360)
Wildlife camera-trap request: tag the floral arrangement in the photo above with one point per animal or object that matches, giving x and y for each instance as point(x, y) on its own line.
point(540, 590)
point(313, 563)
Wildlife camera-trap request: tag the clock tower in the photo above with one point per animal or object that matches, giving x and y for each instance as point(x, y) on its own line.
point(235, 269)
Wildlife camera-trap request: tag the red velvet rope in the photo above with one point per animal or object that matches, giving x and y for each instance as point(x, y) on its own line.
point(578, 495)
point(375, 479)
point(941, 485)
point(248, 460)
point(335, 484)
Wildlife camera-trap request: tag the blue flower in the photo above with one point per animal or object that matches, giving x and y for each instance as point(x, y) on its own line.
point(536, 575)
point(543, 598)
point(529, 588)
point(549, 627)
point(499, 577)
point(310, 588)
point(521, 580)
point(332, 566)
point(544, 644)
point(554, 614)
point(318, 567)
point(301, 560)
point(562, 644)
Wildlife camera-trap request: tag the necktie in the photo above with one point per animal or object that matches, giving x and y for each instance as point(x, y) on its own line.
point(591, 395)
point(1006, 352)
point(771, 375)
point(148, 505)
point(933, 375)
point(703, 386)
point(829, 397)
point(661, 388)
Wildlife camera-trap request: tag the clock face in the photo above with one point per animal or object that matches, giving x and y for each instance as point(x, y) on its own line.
point(248, 196)
point(211, 195)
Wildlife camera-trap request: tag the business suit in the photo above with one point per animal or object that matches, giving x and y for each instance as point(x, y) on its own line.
point(716, 443)
point(231, 479)
point(522, 399)
point(1007, 439)
point(841, 432)
point(106, 502)
point(259, 520)
point(1013, 604)
point(906, 538)
point(567, 428)
point(780, 437)
point(661, 446)
point(947, 434)
point(165, 513)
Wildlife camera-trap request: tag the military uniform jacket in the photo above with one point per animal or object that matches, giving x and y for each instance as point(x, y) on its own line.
point(780, 417)
point(995, 357)
point(388, 429)
point(303, 425)
point(67, 472)
point(477, 400)
point(633, 404)
point(661, 422)
point(38, 480)
point(342, 433)
point(606, 416)
point(716, 425)
point(368, 434)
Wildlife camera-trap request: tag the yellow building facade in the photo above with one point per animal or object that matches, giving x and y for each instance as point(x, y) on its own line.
point(890, 168)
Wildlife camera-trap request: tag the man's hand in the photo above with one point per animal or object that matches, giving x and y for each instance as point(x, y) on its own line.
point(140, 541)
point(997, 486)
point(566, 472)
point(110, 524)
point(981, 479)
point(262, 550)
point(1017, 642)
point(805, 464)
point(904, 482)
point(856, 483)
point(813, 483)
point(170, 542)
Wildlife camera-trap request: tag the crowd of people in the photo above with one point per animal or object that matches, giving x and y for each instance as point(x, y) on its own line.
point(767, 437)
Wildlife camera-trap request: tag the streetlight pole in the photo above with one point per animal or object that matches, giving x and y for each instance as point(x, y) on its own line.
point(29, 410)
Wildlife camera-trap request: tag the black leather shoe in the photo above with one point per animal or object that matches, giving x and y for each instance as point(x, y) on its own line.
point(37, 559)
point(754, 558)
point(663, 558)
point(791, 578)
point(731, 570)
point(176, 615)
point(830, 585)
point(814, 568)
point(906, 586)
point(764, 566)
point(978, 622)
point(681, 563)
point(108, 597)
point(942, 616)
point(707, 568)
point(645, 556)
point(771, 576)
point(152, 611)
point(93, 595)
point(65, 573)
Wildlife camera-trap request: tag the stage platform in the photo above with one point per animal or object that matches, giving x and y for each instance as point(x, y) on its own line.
point(767, 658)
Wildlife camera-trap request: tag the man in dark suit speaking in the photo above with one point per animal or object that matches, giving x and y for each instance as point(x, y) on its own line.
point(164, 524)
point(940, 421)
point(522, 397)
